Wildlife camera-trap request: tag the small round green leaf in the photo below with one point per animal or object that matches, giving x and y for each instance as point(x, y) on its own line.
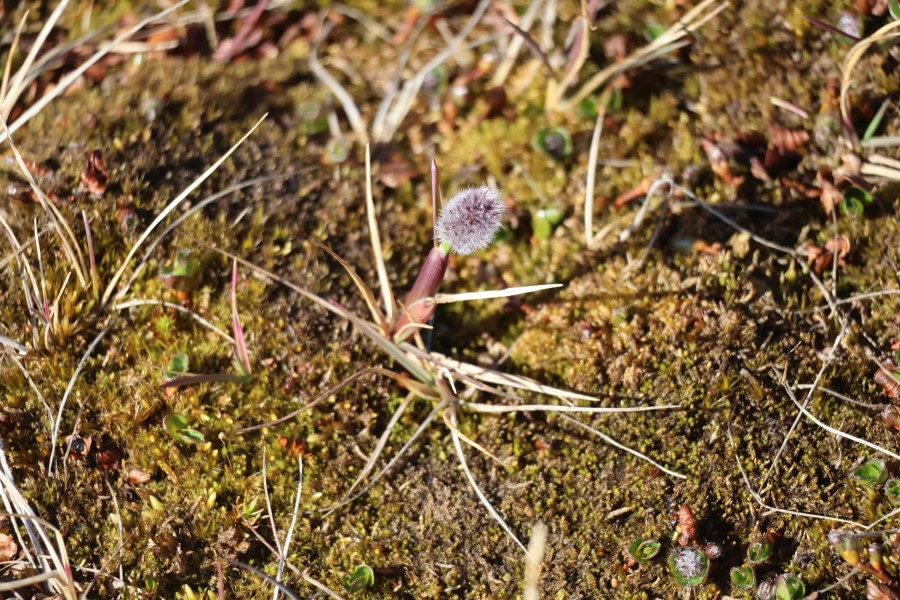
point(555, 142)
point(759, 551)
point(743, 578)
point(178, 365)
point(359, 579)
point(892, 490)
point(789, 587)
point(545, 219)
point(177, 426)
point(689, 566)
point(643, 550)
point(871, 474)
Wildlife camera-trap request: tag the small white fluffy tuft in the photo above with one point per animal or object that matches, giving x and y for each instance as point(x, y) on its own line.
point(469, 221)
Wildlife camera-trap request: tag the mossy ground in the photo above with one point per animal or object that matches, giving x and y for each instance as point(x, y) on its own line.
point(706, 331)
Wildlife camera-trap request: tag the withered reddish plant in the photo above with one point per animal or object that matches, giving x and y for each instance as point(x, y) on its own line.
point(468, 222)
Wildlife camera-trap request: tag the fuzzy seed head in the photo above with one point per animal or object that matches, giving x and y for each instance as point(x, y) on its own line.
point(470, 219)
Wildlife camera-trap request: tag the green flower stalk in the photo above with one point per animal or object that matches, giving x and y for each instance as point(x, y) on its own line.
point(468, 222)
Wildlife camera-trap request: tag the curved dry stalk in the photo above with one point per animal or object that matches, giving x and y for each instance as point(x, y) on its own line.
point(178, 307)
point(292, 526)
point(325, 395)
point(812, 390)
point(853, 57)
point(622, 446)
point(753, 236)
point(33, 386)
point(839, 396)
point(62, 404)
point(382, 442)
point(422, 427)
point(487, 504)
point(670, 40)
point(592, 175)
point(16, 87)
point(73, 76)
point(110, 288)
point(69, 242)
point(385, 285)
point(560, 408)
point(383, 129)
point(785, 511)
point(366, 292)
point(515, 381)
point(837, 432)
point(455, 430)
point(339, 91)
point(194, 209)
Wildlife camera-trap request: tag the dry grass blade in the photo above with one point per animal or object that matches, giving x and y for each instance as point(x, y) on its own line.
point(456, 432)
point(292, 526)
point(491, 294)
point(400, 453)
point(853, 57)
point(366, 292)
point(69, 242)
point(592, 176)
point(837, 432)
point(16, 86)
point(240, 344)
point(487, 504)
point(343, 96)
point(785, 511)
point(4, 86)
point(621, 446)
point(379, 447)
point(309, 405)
point(536, 546)
point(560, 408)
point(383, 129)
point(516, 381)
point(385, 285)
point(73, 76)
point(110, 288)
point(828, 358)
point(194, 209)
point(177, 307)
point(668, 41)
point(62, 404)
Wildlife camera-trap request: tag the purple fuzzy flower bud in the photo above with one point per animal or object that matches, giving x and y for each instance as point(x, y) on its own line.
point(470, 219)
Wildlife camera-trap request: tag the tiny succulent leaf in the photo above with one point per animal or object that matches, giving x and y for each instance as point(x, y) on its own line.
point(892, 490)
point(689, 566)
point(177, 426)
point(743, 578)
point(759, 551)
point(789, 587)
point(871, 474)
point(178, 365)
point(545, 219)
point(359, 579)
point(643, 550)
point(555, 142)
